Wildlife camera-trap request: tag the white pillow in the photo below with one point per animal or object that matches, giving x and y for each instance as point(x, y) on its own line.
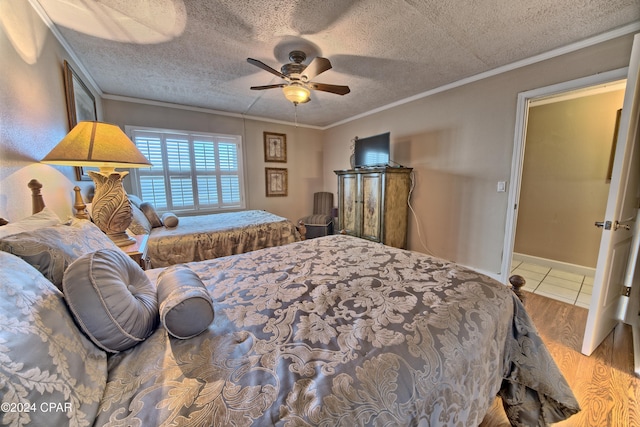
point(44, 218)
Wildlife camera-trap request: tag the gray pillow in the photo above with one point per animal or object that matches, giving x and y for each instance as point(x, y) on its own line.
point(139, 222)
point(111, 298)
point(151, 214)
point(51, 249)
point(169, 220)
point(186, 308)
point(47, 365)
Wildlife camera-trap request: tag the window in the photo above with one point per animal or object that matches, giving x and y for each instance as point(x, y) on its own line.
point(191, 172)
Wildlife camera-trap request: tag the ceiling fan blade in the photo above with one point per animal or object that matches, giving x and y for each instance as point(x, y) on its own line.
point(267, 86)
point(317, 66)
point(337, 89)
point(265, 67)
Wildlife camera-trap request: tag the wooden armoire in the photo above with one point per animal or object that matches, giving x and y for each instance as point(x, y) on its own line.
point(373, 203)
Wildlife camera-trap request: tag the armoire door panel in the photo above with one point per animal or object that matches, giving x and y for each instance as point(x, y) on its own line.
point(371, 212)
point(348, 214)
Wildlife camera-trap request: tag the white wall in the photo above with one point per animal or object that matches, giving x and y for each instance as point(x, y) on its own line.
point(460, 143)
point(33, 115)
point(304, 150)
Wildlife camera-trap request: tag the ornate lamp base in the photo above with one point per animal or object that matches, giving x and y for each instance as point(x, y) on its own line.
point(111, 210)
point(122, 239)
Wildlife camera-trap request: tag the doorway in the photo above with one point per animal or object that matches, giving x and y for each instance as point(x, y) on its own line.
point(564, 189)
point(542, 242)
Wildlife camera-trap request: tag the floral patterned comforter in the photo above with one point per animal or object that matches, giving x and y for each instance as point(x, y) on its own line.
point(201, 237)
point(340, 331)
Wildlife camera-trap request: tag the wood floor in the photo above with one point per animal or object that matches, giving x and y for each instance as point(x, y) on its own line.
point(604, 383)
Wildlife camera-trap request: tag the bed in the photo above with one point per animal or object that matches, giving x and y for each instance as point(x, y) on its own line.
point(174, 240)
point(332, 331)
point(203, 237)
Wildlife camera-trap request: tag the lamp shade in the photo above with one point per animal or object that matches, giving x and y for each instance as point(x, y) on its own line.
point(296, 93)
point(97, 144)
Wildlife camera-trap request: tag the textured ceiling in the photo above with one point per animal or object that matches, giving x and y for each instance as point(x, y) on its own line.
point(194, 52)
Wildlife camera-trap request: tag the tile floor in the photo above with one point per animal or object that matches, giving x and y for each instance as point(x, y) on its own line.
point(554, 283)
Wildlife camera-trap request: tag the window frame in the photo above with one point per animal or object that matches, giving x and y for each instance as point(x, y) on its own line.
point(166, 172)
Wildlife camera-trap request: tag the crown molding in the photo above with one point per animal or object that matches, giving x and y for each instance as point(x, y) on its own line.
point(609, 35)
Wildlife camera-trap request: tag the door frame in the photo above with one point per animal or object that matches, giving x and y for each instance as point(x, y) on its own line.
point(517, 162)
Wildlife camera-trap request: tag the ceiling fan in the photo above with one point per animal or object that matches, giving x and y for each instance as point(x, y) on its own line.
point(298, 77)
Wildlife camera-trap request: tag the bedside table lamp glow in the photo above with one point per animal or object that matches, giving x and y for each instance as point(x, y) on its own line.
point(105, 146)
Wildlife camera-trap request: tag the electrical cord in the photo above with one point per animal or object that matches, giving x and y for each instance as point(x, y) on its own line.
point(415, 216)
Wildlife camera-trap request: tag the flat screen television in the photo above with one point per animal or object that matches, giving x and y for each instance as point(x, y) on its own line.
point(372, 151)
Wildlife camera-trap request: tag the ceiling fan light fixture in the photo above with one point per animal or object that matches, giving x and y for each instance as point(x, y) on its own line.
point(296, 93)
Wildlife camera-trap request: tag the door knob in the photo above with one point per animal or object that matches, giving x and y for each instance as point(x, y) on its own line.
point(617, 225)
point(605, 224)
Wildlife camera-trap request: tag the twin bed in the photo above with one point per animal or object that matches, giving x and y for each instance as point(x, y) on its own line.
point(332, 331)
point(202, 237)
point(174, 240)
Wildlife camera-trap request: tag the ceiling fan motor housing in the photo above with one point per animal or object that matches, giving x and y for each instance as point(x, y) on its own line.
point(290, 70)
point(296, 67)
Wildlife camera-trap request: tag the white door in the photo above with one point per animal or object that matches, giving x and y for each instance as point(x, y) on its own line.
point(620, 214)
point(631, 310)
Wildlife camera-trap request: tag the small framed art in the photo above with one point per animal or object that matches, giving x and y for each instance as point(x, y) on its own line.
point(276, 182)
point(275, 147)
point(81, 105)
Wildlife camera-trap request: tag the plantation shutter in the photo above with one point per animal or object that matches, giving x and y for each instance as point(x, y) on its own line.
point(192, 172)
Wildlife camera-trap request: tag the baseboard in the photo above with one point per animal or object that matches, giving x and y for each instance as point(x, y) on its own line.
point(495, 276)
point(564, 266)
point(636, 348)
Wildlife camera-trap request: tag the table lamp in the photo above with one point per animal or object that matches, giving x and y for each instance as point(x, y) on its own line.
point(105, 146)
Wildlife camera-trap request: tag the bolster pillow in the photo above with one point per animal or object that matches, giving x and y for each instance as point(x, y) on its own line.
point(169, 220)
point(186, 308)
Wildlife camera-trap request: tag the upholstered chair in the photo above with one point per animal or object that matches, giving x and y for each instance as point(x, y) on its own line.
point(320, 223)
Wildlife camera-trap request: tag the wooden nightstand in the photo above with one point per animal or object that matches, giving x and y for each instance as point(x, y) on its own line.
point(138, 251)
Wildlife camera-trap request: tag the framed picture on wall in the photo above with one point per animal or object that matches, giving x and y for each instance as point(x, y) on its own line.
point(275, 147)
point(276, 182)
point(81, 105)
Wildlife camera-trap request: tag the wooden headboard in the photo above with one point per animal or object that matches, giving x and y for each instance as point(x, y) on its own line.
point(79, 205)
point(37, 202)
